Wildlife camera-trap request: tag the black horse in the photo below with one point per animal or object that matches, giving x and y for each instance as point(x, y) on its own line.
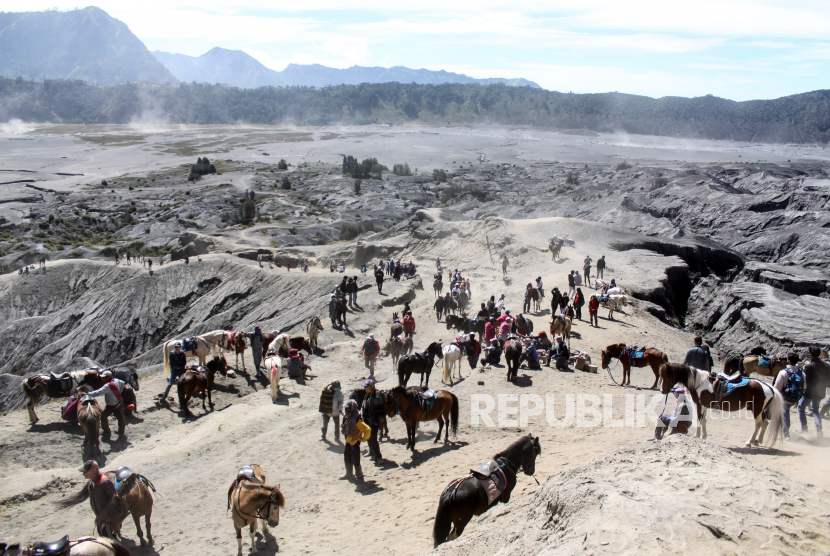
point(420, 363)
point(440, 307)
point(340, 310)
point(466, 497)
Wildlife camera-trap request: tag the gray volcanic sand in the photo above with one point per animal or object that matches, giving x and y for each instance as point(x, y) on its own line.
point(193, 461)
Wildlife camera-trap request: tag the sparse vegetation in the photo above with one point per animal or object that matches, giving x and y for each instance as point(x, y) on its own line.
point(439, 176)
point(623, 166)
point(350, 231)
point(247, 211)
point(370, 168)
point(401, 169)
point(285, 183)
point(454, 191)
point(282, 164)
point(571, 178)
point(357, 183)
point(659, 182)
point(201, 168)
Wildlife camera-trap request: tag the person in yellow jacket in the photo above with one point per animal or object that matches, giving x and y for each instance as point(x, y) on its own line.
point(354, 431)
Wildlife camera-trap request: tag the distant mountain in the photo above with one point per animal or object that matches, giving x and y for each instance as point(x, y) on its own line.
point(84, 44)
point(237, 68)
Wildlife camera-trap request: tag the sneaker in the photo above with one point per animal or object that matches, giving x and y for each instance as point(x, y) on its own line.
point(802, 430)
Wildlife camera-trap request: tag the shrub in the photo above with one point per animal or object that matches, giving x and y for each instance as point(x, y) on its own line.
point(659, 182)
point(351, 231)
point(202, 167)
point(285, 183)
point(357, 183)
point(247, 211)
point(104, 183)
point(282, 164)
point(623, 166)
point(439, 176)
point(369, 168)
point(401, 169)
point(571, 178)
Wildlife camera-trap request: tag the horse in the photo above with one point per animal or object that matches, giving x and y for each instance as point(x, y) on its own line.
point(359, 394)
point(757, 395)
point(611, 302)
point(85, 546)
point(522, 325)
point(562, 325)
point(313, 329)
point(420, 363)
point(274, 371)
point(512, 356)
point(250, 502)
point(440, 307)
point(238, 344)
point(51, 386)
point(284, 343)
point(397, 327)
point(340, 310)
point(396, 347)
point(466, 497)
point(205, 344)
point(444, 409)
point(651, 357)
point(196, 381)
point(89, 417)
point(134, 495)
point(461, 324)
point(438, 287)
point(453, 353)
point(555, 249)
point(751, 364)
point(533, 293)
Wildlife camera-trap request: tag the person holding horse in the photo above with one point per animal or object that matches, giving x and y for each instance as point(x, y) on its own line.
point(111, 391)
point(817, 378)
point(257, 341)
point(331, 406)
point(678, 421)
point(473, 349)
point(101, 495)
point(374, 412)
point(560, 355)
point(783, 383)
point(698, 356)
point(178, 362)
point(370, 349)
point(593, 311)
point(555, 296)
point(354, 431)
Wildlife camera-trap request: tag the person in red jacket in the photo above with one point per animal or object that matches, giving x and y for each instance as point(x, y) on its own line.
point(408, 324)
point(593, 307)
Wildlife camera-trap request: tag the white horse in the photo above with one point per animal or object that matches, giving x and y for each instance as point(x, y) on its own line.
point(273, 366)
point(452, 355)
point(561, 325)
point(280, 341)
point(313, 328)
point(91, 546)
point(612, 302)
point(206, 344)
point(616, 290)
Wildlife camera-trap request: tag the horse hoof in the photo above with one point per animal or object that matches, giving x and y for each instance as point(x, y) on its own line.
point(143, 542)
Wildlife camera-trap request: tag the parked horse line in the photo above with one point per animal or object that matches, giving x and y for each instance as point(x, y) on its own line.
point(253, 501)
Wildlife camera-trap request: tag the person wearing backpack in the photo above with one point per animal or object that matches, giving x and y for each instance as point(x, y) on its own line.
point(790, 382)
point(816, 378)
point(370, 349)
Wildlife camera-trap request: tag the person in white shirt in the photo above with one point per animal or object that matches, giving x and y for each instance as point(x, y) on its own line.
point(781, 384)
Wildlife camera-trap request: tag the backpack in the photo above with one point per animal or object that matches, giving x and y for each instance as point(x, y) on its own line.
point(369, 348)
point(794, 389)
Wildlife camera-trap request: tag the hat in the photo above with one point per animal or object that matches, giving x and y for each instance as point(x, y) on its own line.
point(293, 352)
point(87, 465)
point(271, 351)
point(177, 344)
point(370, 337)
point(351, 405)
point(507, 311)
point(368, 382)
point(542, 333)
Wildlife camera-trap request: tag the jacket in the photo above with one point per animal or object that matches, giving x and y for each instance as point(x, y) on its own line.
point(593, 305)
point(408, 323)
point(363, 433)
point(699, 358)
point(816, 378)
point(373, 346)
point(331, 402)
point(178, 361)
point(571, 282)
point(561, 350)
point(109, 396)
point(489, 332)
point(601, 264)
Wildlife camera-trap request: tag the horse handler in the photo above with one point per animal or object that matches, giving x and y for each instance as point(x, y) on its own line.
point(178, 361)
point(331, 406)
point(354, 431)
point(370, 349)
point(102, 497)
point(114, 403)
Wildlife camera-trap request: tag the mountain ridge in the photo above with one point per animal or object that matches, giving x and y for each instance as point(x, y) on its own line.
point(239, 69)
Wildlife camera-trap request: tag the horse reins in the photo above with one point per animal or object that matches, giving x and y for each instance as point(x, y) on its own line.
point(268, 502)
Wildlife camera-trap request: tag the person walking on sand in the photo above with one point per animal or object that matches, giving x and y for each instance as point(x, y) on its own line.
point(178, 361)
point(593, 308)
point(257, 342)
point(817, 378)
point(379, 280)
point(586, 267)
point(370, 349)
point(102, 496)
point(331, 406)
point(571, 284)
point(784, 384)
point(698, 356)
point(408, 324)
point(373, 413)
point(600, 268)
point(354, 431)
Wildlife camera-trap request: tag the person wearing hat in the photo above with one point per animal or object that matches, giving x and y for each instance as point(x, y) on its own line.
point(353, 288)
point(586, 267)
point(408, 324)
point(492, 352)
point(530, 353)
point(543, 341)
point(560, 354)
point(331, 406)
point(178, 361)
point(101, 494)
point(370, 349)
point(257, 342)
point(473, 349)
point(111, 391)
point(678, 421)
point(354, 431)
point(374, 412)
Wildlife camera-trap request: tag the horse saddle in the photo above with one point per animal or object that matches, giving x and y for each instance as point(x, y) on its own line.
point(724, 384)
point(122, 474)
point(491, 478)
point(768, 362)
point(427, 399)
point(57, 548)
point(245, 473)
point(188, 344)
point(486, 469)
point(60, 383)
point(87, 399)
point(62, 376)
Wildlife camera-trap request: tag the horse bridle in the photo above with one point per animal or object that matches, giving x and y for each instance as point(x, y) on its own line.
point(265, 504)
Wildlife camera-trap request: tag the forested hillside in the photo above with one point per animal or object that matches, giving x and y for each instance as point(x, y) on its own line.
point(803, 118)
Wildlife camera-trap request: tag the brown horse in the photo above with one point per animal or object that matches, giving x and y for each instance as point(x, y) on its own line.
point(562, 325)
point(757, 396)
point(249, 502)
point(651, 358)
point(534, 296)
point(134, 497)
point(396, 347)
point(50, 386)
point(397, 327)
point(239, 345)
point(523, 326)
point(751, 364)
point(438, 287)
point(512, 356)
point(404, 402)
point(85, 546)
point(197, 380)
point(89, 417)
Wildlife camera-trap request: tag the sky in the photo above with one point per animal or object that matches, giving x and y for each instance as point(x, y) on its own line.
point(736, 49)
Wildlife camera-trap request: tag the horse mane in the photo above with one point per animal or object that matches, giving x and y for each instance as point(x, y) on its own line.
point(614, 347)
point(515, 447)
point(682, 373)
point(400, 390)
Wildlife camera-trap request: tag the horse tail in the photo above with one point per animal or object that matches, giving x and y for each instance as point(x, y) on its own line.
point(166, 350)
point(119, 549)
point(454, 415)
point(401, 371)
point(776, 420)
point(30, 391)
point(447, 370)
point(73, 500)
point(443, 519)
point(665, 357)
point(180, 392)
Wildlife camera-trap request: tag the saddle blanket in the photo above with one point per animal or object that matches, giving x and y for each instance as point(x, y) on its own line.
point(493, 485)
point(732, 385)
point(764, 361)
